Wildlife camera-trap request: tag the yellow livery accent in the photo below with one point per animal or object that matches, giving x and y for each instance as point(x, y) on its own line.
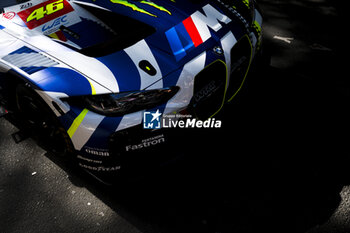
point(132, 6)
point(246, 2)
point(76, 123)
point(93, 90)
point(54, 35)
point(136, 8)
point(248, 68)
point(156, 6)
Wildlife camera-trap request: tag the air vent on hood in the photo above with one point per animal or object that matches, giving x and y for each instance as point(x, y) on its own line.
point(29, 60)
point(125, 32)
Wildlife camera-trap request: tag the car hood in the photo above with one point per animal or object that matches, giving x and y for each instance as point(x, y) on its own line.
point(75, 33)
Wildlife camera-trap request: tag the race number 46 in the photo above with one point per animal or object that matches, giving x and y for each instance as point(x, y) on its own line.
point(46, 10)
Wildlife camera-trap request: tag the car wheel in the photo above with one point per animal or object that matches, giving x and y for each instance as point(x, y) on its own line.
point(41, 123)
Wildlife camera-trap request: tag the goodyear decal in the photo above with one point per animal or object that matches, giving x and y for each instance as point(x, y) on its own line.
point(138, 9)
point(194, 30)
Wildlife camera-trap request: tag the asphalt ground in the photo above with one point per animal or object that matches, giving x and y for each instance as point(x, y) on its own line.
point(279, 163)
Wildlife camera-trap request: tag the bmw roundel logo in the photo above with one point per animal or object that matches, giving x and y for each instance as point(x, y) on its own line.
point(218, 50)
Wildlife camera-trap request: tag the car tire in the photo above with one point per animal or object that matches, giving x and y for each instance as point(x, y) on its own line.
point(40, 122)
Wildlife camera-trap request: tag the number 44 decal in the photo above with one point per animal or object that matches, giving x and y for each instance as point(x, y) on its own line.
point(46, 10)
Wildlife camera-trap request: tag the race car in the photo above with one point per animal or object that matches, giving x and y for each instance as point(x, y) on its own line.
point(85, 75)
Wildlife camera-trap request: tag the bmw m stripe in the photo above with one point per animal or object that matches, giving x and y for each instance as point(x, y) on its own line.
point(194, 30)
point(175, 44)
point(183, 37)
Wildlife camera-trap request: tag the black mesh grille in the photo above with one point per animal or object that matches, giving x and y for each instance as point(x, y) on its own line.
point(240, 60)
point(209, 90)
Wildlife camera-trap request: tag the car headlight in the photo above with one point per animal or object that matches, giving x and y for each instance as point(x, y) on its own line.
point(118, 104)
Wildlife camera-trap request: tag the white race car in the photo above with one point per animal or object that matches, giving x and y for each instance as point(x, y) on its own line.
point(83, 75)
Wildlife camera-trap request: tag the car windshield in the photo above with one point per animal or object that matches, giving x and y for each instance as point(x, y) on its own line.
point(7, 3)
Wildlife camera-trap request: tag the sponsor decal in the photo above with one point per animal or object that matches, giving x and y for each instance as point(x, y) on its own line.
point(146, 143)
point(42, 13)
point(55, 24)
point(238, 63)
point(194, 30)
point(96, 151)
point(100, 168)
point(9, 15)
point(156, 6)
point(25, 6)
point(89, 160)
point(139, 9)
point(205, 91)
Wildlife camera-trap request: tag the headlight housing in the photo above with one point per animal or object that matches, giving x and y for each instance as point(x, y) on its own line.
point(118, 104)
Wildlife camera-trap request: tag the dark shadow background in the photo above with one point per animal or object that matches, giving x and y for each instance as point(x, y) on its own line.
point(280, 160)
